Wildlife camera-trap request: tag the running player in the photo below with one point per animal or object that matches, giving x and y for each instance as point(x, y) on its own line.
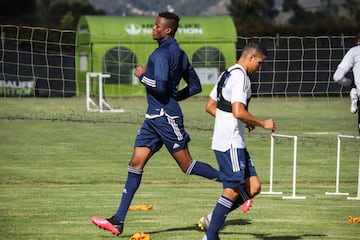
point(350, 61)
point(228, 103)
point(163, 125)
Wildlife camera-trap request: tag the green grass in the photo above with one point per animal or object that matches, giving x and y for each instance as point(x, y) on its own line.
point(60, 166)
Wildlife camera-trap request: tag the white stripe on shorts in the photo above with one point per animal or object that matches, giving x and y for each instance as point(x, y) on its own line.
point(234, 160)
point(175, 127)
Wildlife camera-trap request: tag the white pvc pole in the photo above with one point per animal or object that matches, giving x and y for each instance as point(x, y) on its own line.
point(337, 181)
point(88, 92)
point(271, 164)
point(100, 92)
point(294, 166)
point(338, 165)
point(271, 168)
point(293, 196)
point(358, 190)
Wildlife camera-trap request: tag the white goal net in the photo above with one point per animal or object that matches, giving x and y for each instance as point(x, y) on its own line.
point(41, 62)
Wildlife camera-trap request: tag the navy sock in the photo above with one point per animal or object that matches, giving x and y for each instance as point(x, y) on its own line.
point(204, 170)
point(220, 212)
point(243, 196)
point(131, 185)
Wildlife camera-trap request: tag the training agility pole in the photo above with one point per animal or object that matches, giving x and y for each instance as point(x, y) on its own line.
point(337, 181)
point(272, 147)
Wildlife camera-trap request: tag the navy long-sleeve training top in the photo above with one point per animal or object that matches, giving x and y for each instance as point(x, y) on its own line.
point(166, 66)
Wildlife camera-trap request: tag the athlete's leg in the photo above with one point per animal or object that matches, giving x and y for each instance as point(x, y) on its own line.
point(146, 144)
point(247, 193)
point(135, 169)
point(354, 100)
point(233, 175)
point(252, 181)
point(220, 212)
point(115, 224)
point(190, 166)
point(253, 186)
point(176, 140)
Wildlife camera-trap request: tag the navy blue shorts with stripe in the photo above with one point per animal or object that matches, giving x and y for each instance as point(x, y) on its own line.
point(235, 166)
point(163, 130)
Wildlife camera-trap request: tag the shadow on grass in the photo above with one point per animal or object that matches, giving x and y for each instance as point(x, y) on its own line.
point(266, 236)
point(236, 222)
point(286, 237)
point(242, 222)
point(195, 228)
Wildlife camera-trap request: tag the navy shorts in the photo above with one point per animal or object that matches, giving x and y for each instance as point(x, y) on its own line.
point(235, 166)
point(166, 130)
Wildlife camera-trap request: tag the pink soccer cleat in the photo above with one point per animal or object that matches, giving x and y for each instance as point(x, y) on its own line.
point(246, 205)
point(109, 224)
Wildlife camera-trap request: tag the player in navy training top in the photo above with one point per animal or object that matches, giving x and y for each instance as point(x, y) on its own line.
point(163, 124)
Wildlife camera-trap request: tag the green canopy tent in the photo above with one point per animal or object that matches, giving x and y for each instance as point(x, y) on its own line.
point(116, 45)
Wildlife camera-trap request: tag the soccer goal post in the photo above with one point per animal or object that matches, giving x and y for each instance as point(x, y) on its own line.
point(97, 103)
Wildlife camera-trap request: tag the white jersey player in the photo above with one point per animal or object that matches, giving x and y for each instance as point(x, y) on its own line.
point(228, 103)
point(351, 60)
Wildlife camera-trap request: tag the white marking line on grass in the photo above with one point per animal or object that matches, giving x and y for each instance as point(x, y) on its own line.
point(321, 133)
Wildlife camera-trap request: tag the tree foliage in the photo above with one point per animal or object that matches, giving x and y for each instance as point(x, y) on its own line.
point(251, 17)
point(52, 14)
point(257, 17)
point(249, 14)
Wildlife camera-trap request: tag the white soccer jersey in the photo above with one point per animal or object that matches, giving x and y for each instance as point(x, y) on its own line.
point(352, 60)
point(229, 131)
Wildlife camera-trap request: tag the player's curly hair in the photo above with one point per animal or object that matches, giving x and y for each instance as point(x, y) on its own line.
point(173, 21)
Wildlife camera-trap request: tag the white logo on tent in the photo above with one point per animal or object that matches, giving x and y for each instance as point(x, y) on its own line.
point(133, 28)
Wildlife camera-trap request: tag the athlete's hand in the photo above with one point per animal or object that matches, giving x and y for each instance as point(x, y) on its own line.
point(270, 124)
point(140, 70)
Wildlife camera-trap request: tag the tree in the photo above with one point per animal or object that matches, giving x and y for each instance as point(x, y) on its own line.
point(67, 21)
point(45, 13)
point(250, 16)
point(354, 9)
point(59, 9)
point(300, 17)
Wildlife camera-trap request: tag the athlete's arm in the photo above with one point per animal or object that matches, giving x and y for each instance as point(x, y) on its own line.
point(193, 84)
point(160, 65)
point(211, 106)
point(155, 85)
point(339, 77)
point(239, 111)
point(345, 65)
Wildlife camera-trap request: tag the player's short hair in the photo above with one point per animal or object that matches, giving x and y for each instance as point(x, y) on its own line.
point(254, 44)
point(173, 21)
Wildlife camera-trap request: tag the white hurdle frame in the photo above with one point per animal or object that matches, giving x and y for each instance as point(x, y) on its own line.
point(102, 103)
point(293, 196)
point(337, 181)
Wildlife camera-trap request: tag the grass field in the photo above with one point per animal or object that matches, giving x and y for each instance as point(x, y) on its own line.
point(60, 165)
